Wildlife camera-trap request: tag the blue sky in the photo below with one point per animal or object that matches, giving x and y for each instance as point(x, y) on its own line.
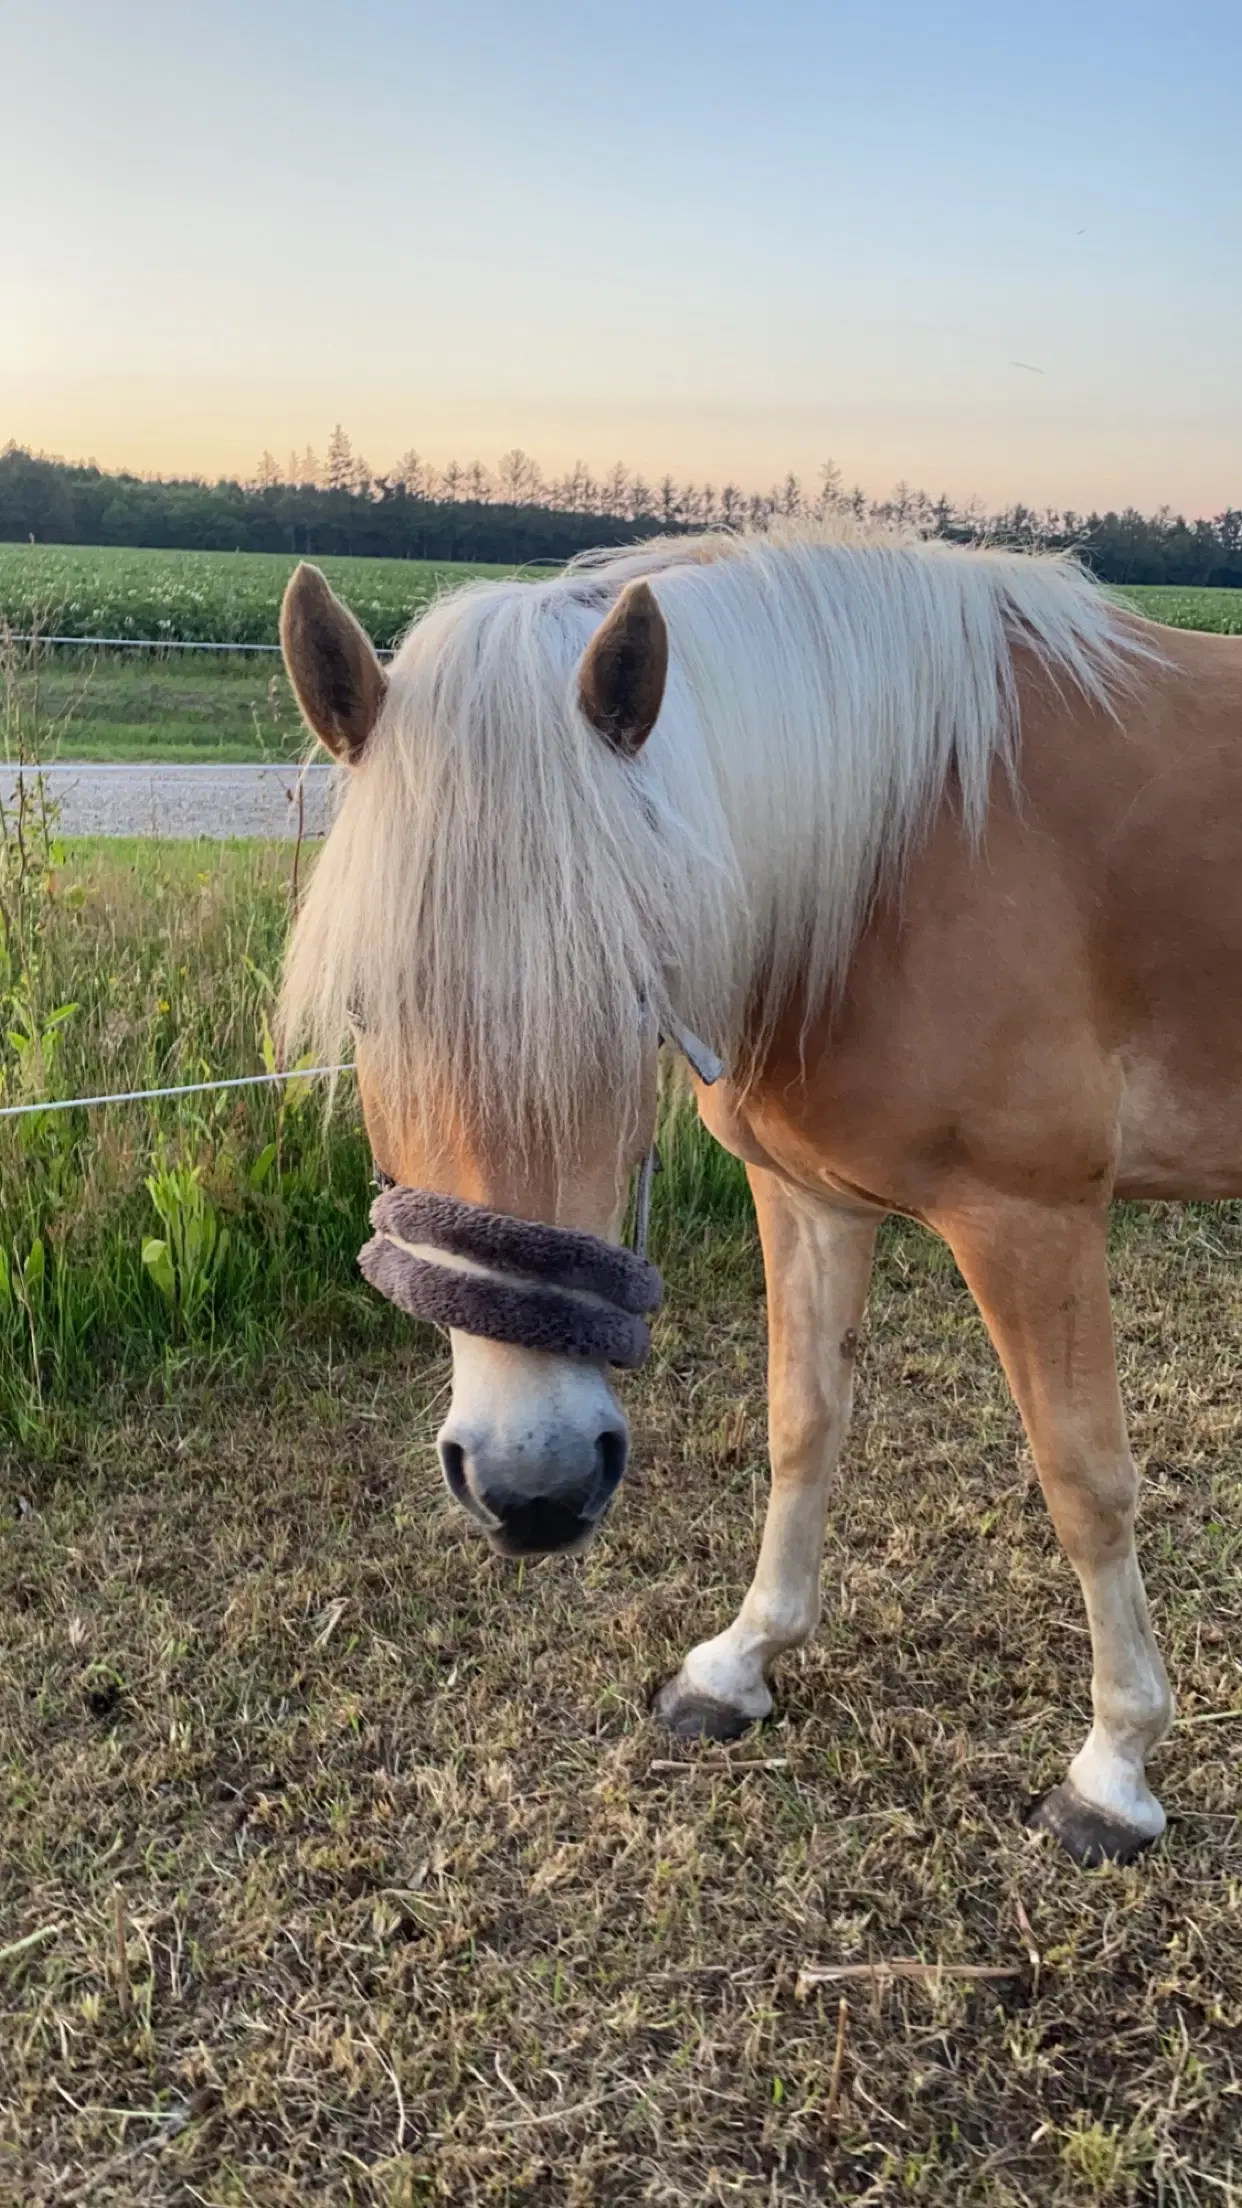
point(719, 239)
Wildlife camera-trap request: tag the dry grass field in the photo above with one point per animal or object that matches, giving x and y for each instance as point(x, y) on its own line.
point(340, 1862)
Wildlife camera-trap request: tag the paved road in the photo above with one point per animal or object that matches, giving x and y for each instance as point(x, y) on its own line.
point(187, 801)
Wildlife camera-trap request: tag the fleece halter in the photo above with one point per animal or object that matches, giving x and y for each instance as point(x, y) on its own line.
point(521, 1280)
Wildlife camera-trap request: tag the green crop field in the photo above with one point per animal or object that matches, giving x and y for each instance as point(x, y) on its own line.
point(201, 597)
point(234, 597)
point(183, 707)
point(1217, 610)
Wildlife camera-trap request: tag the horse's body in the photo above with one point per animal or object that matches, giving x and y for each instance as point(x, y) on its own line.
point(1029, 1006)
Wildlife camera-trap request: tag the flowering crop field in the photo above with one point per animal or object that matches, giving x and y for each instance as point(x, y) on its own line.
point(234, 597)
point(201, 597)
point(1220, 610)
point(191, 708)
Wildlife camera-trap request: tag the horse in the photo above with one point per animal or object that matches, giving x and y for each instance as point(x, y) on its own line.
point(940, 849)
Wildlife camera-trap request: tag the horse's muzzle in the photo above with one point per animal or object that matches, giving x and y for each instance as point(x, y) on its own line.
point(560, 1509)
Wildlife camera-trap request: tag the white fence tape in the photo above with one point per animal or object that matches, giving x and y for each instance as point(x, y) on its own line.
point(187, 1088)
point(163, 644)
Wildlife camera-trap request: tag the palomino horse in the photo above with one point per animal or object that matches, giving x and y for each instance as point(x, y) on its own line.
point(942, 853)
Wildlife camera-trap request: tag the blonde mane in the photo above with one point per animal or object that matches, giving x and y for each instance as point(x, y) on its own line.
point(503, 903)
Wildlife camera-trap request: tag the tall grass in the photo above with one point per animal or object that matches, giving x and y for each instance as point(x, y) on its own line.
point(138, 1239)
point(699, 1197)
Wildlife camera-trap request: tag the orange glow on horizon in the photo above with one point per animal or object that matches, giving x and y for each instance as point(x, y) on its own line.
point(185, 429)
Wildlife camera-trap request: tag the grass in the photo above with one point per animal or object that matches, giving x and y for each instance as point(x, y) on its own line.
point(340, 1861)
point(186, 710)
point(148, 965)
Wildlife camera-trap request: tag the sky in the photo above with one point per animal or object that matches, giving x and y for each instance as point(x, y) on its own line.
point(986, 246)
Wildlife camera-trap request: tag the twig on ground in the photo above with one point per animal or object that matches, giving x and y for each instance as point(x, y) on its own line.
point(395, 2082)
point(829, 1974)
point(838, 2064)
point(123, 1993)
point(23, 1946)
point(730, 1764)
point(1024, 1927)
point(561, 2114)
point(511, 2088)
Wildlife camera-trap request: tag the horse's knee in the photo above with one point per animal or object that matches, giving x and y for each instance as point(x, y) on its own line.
point(1093, 1505)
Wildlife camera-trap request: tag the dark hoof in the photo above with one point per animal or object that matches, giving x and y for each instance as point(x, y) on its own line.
point(1086, 1834)
point(693, 1717)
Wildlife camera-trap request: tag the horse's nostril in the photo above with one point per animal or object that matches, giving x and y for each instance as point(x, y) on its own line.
point(534, 1507)
point(611, 1449)
point(453, 1465)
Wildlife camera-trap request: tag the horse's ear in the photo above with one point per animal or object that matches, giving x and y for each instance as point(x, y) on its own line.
point(622, 676)
point(337, 679)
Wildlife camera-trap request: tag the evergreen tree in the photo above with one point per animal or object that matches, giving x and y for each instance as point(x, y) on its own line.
point(338, 474)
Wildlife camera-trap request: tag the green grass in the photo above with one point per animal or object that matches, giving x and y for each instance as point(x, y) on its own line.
point(165, 955)
point(181, 709)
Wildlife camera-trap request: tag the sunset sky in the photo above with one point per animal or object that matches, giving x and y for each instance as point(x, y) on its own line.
point(717, 237)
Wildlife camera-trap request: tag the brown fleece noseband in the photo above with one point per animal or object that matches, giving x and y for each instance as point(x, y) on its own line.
point(544, 1287)
point(522, 1281)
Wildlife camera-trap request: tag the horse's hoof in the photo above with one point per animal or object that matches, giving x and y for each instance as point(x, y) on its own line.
point(697, 1717)
point(1086, 1834)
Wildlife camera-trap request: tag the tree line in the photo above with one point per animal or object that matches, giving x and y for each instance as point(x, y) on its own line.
point(415, 511)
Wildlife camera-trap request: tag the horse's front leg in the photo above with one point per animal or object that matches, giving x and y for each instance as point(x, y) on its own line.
point(1039, 1274)
point(817, 1262)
